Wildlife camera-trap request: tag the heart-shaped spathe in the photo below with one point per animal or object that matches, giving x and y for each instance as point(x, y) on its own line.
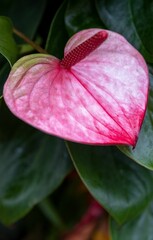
point(100, 100)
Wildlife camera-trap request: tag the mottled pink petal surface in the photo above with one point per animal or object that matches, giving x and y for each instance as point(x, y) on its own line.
point(100, 100)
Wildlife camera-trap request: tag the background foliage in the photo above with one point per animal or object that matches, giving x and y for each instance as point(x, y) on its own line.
point(34, 165)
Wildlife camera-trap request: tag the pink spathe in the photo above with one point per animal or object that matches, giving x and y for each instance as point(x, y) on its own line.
point(100, 100)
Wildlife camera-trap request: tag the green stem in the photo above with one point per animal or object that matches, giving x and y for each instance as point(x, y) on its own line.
point(50, 212)
point(30, 42)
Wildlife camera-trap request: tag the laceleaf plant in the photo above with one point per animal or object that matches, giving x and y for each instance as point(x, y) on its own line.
point(97, 94)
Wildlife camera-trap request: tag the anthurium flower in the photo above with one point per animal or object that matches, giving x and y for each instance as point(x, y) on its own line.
point(97, 94)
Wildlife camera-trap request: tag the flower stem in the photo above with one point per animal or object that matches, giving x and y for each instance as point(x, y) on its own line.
point(30, 42)
point(50, 212)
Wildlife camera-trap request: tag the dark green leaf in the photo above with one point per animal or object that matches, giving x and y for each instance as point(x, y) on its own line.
point(25, 15)
point(123, 187)
point(137, 229)
point(81, 14)
point(120, 16)
point(143, 152)
point(32, 165)
point(8, 46)
point(142, 15)
point(57, 36)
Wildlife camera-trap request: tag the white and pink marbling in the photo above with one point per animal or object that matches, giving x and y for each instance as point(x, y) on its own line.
point(101, 100)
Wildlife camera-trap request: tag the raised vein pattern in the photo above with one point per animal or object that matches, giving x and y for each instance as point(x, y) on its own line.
point(84, 49)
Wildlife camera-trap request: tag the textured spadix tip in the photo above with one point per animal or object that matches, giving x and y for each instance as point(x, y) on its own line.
point(84, 49)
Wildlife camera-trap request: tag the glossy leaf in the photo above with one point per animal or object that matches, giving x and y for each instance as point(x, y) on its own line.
point(91, 102)
point(143, 152)
point(125, 18)
point(8, 46)
point(25, 15)
point(136, 229)
point(81, 15)
point(32, 165)
point(54, 36)
point(123, 187)
point(142, 14)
